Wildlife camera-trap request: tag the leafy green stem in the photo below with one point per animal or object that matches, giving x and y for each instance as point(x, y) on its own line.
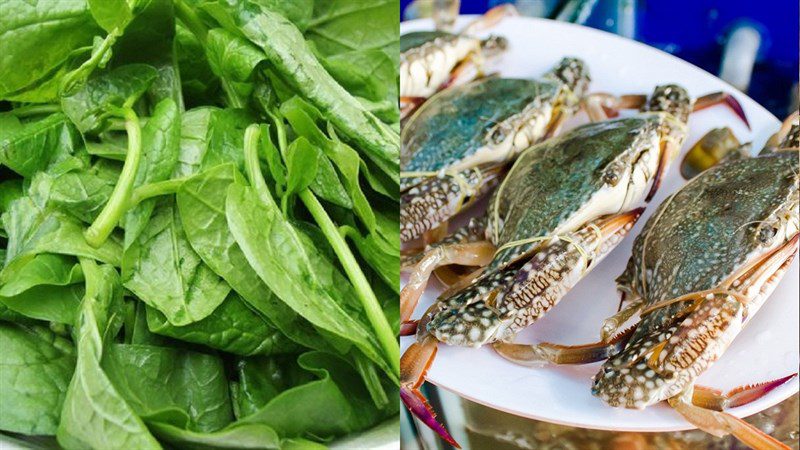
point(35, 110)
point(76, 76)
point(117, 204)
point(91, 274)
point(365, 294)
point(156, 189)
point(191, 20)
point(251, 164)
point(199, 29)
point(230, 93)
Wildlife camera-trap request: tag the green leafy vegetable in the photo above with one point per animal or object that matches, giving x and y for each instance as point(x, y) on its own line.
point(95, 415)
point(37, 145)
point(286, 49)
point(233, 327)
point(162, 270)
point(198, 222)
point(35, 368)
point(50, 29)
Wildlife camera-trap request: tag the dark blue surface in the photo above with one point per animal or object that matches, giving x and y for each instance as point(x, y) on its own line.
point(695, 30)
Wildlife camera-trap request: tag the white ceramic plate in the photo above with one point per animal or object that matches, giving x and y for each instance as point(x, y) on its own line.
point(765, 350)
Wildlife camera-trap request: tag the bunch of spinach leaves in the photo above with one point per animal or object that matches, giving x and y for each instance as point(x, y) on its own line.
point(199, 221)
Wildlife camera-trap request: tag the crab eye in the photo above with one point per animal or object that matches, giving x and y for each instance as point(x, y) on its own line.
point(612, 175)
point(498, 135)
point(766, 234)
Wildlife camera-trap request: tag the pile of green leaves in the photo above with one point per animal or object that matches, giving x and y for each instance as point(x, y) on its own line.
point(199, 223)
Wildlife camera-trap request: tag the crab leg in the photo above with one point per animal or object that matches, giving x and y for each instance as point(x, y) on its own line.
point(490, 18)
point(600, 106)
point(720, 424)
point(467, 254)
point(710, 398)
point(414, 365)
point(785, 138)
point(722, 97)
point(613, 323)
point(536, 355)
point(410, 104)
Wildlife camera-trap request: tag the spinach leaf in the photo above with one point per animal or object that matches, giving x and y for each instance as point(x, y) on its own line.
point(155, 379)
point(302, 117)
point(32, 230)
point(37, 145)
point(162, 270)
point(111, 14)
point(43, 288)
point(51, 303)
point(235, 436)
point(210, 137)
point(365, 63)
point(299, 12)
point(262, 379)
point(233, 327)
point(38, 39)
point(289, 54)
point(57, 270)
point(81, 193)
point(377, 22)
point(184, 307)
point(336, 402)
point(95, 415)
point(233, 60)
point(160, 144)
point(302, 162)
point(90, 106)
point(371, 74)
point(35, 368)
point(201, 202)
point(292, 270)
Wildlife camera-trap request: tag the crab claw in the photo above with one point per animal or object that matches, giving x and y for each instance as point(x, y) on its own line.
point(722, 97)
point(713, 399)
point(408, 328)
point(414, 365)
point(720, 424)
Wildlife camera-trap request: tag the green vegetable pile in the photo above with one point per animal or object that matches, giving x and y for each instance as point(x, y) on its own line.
point(199, 225)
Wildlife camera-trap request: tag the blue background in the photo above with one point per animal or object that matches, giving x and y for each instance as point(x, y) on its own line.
point(696, 30)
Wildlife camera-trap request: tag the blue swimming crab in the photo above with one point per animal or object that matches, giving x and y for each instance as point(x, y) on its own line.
point(454, 148)
point(703, 265)
point(433, 60)
point(564, 204)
